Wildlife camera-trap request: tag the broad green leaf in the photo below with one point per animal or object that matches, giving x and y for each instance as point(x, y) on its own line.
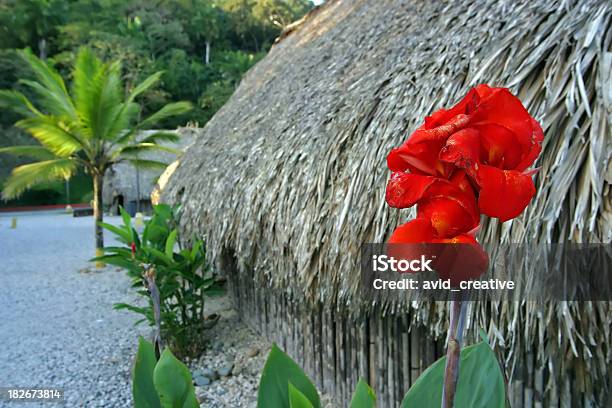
point(117, 260)
point(140, 310)
point(163, 212)
point(480, 383)
point(278, 372)
point(127, 220)
point(364, 396)
point(158, 255)
point(170, 243)
point(124, 235)
point(143, 389)
point(173, 382)
point(297, 399)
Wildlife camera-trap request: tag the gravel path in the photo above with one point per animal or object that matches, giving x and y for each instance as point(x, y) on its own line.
point(57, 326)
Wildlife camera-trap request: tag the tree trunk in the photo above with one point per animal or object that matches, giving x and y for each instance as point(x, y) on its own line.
point(98, 181)
point(42, 49)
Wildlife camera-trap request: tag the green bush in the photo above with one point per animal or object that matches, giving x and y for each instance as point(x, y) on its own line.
point(182, 276)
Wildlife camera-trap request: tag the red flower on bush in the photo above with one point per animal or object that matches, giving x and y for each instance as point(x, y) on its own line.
point(464, 161)
point(491, 136)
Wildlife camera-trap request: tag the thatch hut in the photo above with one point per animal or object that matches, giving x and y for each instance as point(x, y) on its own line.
point(287, 181)
point(125, 184)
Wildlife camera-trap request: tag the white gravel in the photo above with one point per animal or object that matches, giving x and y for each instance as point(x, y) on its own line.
point(57, 325)
point(58, 328)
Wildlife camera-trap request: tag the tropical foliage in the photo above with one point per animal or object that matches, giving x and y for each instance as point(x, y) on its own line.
point(284, 384)
point(164, 382)
point(92, 125)
point(203, 48)
point(182, 275)
point(195, 42)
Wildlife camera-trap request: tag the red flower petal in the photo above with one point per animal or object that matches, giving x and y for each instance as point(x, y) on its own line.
point(504, 194)
point(451, 206)
point(465, 106)
point(448, 215)
point(415, 231)
point(405, 189)
point(421, 158)
point(462, 149)
point(535, 148)
point(462, 259)
point(502, 108)
point(500, 147)
point(440, 133)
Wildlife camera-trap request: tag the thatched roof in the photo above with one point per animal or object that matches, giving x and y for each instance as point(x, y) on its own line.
point(290, 174)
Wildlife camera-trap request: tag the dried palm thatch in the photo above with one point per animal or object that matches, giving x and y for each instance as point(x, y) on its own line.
point(290, 174)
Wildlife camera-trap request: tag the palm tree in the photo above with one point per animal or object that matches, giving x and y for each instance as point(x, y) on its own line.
point(93, 126)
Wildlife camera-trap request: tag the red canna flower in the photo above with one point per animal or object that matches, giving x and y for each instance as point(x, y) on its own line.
point(133, 246)
point(491, 136)
point(464, 161)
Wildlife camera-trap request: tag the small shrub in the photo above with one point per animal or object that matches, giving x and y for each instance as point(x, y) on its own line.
point(182, 276)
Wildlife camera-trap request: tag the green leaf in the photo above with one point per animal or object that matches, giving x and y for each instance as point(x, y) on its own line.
point(135, 149)
point(18, 102)
point(143, 389)
point(52, 92)
point(124, 235)
point(169, 110)
point(148, 164)
point(53, 134)
point(170, 243)
point(158, 255)
point(117, 260)
point(364, 396)
point(145, 85)
point(279, 371)
point(28, 175)
point(161, 137)
point(480, 383)
point(173, 382)
point(35, 152)
point(297, 399)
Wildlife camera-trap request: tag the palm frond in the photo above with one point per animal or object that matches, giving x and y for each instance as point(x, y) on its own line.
point(145, 147)
point(27, 175)
point(52, 133)
point(18, 102)
point(35, 152)
point(145, 85)
point(124, 116)
point(171, 109)
point(51, 87)
point(98, 95)
point(162, 137)
point(148, 164)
